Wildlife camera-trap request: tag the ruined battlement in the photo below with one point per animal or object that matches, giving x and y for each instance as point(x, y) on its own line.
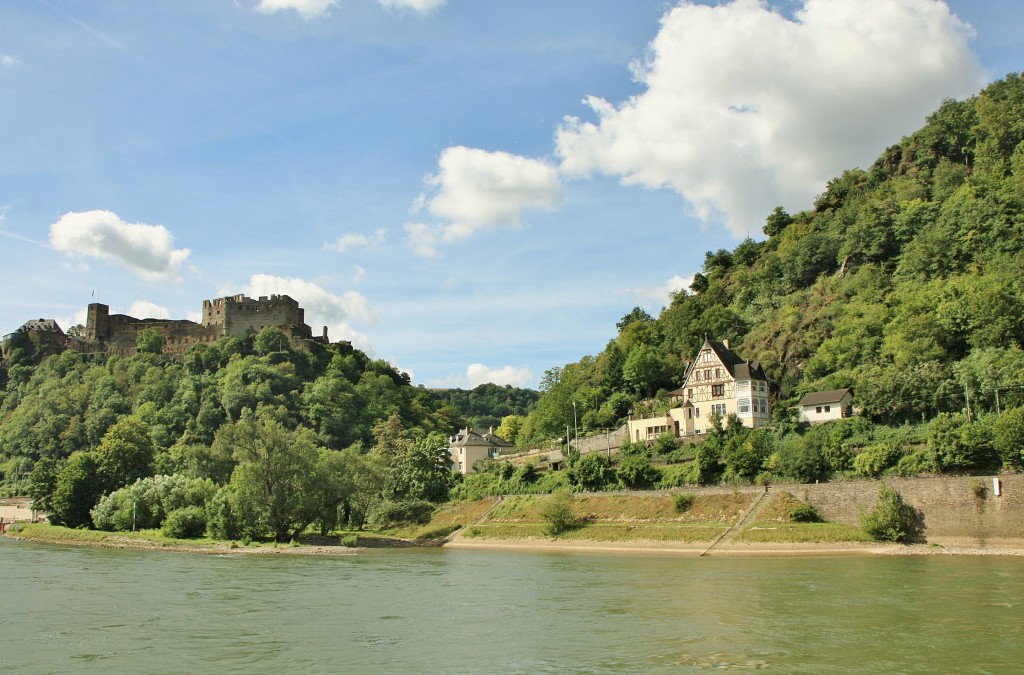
point(239, 314)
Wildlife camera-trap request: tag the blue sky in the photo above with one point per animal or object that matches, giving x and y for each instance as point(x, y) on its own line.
point(474, 191)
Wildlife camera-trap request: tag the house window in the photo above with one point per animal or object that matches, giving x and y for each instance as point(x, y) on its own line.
point(817, 409)
point(689, 393)
point(718, 372)
point(698, 376)
point(707, 357)
point(742, 385)
point(718, 390)
point(743, 406)
point(828, 408)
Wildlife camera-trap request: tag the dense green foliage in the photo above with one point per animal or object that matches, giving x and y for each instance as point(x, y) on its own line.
point(282, 439)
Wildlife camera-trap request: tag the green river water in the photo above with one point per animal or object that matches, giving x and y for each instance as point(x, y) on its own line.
point(65, 609)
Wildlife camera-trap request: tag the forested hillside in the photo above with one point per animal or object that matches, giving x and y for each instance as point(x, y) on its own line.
point(904, 281)
point(298, 425)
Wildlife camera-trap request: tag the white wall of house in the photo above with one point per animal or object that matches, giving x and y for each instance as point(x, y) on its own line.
point(825, 412)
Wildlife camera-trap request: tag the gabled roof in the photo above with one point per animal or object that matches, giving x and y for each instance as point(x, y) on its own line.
point(47, 325)
point(468, 437)
point(739, 368)
point(830, 396)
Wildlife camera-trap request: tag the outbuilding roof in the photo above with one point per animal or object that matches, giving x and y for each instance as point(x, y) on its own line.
point(830, 396)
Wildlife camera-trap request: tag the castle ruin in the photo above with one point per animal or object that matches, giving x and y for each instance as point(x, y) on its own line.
point(231, 316)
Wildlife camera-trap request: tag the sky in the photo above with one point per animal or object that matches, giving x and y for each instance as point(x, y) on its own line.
point(473, 191)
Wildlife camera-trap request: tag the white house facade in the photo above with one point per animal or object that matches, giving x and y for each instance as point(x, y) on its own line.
point(824, 406)
point(718, 382)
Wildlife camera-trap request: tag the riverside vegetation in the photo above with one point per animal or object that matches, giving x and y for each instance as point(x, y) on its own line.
point(903, 281)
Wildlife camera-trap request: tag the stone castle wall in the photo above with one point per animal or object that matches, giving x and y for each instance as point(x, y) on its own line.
point(236, 315)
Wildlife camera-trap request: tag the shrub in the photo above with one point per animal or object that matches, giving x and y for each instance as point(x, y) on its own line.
point(801, 459)
point(591, 472)
point(1008, 436)
point(684, 501)
point(221, 520)
point(891, 519)
point(916, 464)
point(875, 459)
point(350, 540)
point(187, 522)
point(387, 513)
point(558, 512)
point(553, 480)
point(958, 444)
point(525, 474)
point(637, 473)
point(802, 512)
point(147, 502)
point(679, 475)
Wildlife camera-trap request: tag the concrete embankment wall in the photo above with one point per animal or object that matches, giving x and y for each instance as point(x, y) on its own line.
point(953, 508)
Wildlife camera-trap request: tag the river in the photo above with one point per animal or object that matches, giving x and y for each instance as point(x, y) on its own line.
point(66, 609)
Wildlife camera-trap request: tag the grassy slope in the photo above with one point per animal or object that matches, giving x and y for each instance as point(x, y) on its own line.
point(650, 517)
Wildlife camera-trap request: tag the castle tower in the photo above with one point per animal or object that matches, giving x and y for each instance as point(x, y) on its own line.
point(97, 326)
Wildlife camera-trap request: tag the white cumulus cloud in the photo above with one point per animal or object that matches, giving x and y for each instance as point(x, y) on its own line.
point(744, 109)
point(418, 6)
point(476, 190)
point(322, 307)
point(146, 249)
point(142, 309)
point(313, 9)
point(9, 61)
point(307, 9)
point(653, 298)
point(353, 240)
point(478, 373)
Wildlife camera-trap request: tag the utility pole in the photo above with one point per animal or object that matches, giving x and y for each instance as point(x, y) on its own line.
point(575, 428)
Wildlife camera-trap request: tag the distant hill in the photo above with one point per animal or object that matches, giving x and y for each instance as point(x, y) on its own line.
point(487, 404)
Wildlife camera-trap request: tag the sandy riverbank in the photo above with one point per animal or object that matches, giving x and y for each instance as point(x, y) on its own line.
point(576, 546)
point(661, 548)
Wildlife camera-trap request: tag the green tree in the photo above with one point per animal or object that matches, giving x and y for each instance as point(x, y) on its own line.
point(274, 481)
point(149, 341)
point(269, 340)
point(424, 470)
point(77, 491)
point(42, 483)
point(776, 222)
point(125, 454)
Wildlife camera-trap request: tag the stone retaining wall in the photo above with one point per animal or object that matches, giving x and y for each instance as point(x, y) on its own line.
point(953, 507)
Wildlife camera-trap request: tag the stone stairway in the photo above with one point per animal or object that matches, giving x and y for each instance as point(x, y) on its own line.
point(755, 510)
